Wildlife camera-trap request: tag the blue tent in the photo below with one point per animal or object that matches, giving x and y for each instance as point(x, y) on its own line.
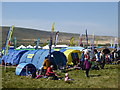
point(13, 56)
point(28, 56)
point(24, 69)
point(0, 60)
point(58, 59)
point(10, 55)
point(76, 48)
point(36, 57)
point(16, 57)
point(62, 50)
point(5, 58)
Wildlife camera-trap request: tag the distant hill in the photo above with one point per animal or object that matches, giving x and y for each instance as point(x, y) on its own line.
point(28, 36)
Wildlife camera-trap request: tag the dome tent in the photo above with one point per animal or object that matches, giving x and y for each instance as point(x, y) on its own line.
point(5, 58)
point(71, 55)
point(76, 48)
point(21, 47)
point(29, 46)
point(36, 57)
point(9, 57)
point(62, 50)
point(58, 59)
point(14, 56)
point(27, 57)
point(24, 69)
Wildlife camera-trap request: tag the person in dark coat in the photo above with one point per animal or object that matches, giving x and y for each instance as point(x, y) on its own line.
point(82, 60)
point(87, 65)
point(102, 61)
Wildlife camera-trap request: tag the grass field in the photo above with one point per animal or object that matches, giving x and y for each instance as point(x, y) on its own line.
point(103, 78)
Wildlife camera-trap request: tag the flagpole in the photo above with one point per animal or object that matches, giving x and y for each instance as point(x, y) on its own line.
point(56, 38)
point(86, 39)
point(79, 40)
point(81, 44)
point(15, 42)
point(50, 45)
point(9, 35)
point(37, 44)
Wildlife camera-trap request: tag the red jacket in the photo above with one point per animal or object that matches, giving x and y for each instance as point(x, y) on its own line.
point(49, 70)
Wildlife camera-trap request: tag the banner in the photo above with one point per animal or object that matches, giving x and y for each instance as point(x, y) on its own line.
point(51, 40)
point(93, 40)
point(53, 27)
point(71, 41)
point(37, 44)
point(80, 41)
point(111, 43)
point(115, 43)
point(86, 38)
point(96, 42)
point(56, 38)
point(15, 42)
point(10, 32)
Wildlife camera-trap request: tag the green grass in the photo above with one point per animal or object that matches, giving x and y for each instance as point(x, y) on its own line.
point(103, 78)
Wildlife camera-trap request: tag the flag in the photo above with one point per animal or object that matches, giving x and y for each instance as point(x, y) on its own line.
point(37, 44)
point(86, 38)
point(53, 27)
point(111, 42)
point(81, 44)
point(15, 42)
point(71, 41)
point(9, 35)
point(51, 40)
point(93, 41)
point(115, 43)
point(96, 41)
point(56, 38)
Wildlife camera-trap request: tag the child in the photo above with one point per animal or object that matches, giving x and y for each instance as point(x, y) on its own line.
point(67, 79)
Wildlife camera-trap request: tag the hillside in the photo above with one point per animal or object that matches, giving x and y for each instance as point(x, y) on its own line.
point(29, 36)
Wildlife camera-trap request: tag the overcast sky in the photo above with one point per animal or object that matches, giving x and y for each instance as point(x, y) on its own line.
point(100, 18)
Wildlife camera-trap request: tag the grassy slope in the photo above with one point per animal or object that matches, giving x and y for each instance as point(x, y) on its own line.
point(30, 34)
point(106, 78)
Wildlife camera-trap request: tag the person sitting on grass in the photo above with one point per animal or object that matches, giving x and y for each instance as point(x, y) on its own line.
point(67, 79)
point(46, 64)
point(50, 73)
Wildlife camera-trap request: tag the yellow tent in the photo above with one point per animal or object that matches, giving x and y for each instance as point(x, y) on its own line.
point(69, 55)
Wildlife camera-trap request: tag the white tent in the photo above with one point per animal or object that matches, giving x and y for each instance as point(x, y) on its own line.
point(29, 46)
point(46, 47)
point(21, 47)
point(61, 46)
point(38, 47)
point(57, 46)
